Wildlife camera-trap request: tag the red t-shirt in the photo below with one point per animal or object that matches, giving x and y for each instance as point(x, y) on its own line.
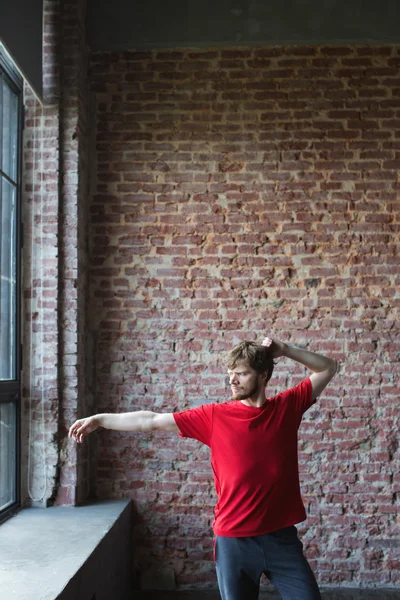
point(254, 460)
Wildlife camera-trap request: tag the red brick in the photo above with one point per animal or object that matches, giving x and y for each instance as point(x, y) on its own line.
point(214, 209)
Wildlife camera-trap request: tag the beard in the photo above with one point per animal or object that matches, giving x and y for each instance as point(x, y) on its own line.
point(244, 394)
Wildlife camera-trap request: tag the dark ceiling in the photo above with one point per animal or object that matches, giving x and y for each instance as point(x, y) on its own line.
point(130, 24)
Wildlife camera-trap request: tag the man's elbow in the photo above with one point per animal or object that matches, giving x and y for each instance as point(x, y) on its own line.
point(335, 366)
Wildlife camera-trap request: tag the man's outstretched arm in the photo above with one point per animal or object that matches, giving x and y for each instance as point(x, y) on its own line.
point(139, 421)
point(323, 367)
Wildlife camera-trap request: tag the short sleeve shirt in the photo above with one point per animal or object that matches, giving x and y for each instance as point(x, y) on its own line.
point(254, 459)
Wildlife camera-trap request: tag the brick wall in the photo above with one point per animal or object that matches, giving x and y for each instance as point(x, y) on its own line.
point(54, 199)
point(40, 205)
point(73, 245)
point(242, 192)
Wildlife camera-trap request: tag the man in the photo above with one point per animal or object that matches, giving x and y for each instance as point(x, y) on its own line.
point(253, 442)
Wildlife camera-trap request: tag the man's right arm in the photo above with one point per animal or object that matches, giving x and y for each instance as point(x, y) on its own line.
point(141, 420)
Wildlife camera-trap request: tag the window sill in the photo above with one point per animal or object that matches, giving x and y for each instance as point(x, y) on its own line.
point(67, 552)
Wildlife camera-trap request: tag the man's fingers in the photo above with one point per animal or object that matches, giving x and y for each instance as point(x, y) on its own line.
point(76, 430)
point(78, 436)
point(71, 430)
point(81, 432)
point(81, 428)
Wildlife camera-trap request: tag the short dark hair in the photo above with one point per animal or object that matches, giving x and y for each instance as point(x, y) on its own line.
point(256, 356)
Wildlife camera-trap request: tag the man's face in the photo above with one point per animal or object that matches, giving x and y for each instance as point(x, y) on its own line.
point(245, 382)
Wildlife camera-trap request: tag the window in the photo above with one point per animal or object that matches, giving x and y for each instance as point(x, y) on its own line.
point(11, 114)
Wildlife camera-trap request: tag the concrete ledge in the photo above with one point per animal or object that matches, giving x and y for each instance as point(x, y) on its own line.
point(68, 553)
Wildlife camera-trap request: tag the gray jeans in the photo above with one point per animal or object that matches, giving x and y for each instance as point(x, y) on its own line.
point(241, 561)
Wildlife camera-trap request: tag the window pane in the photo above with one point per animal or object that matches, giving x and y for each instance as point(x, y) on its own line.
point(7, 454)
point(10, 132)
point(8, 287)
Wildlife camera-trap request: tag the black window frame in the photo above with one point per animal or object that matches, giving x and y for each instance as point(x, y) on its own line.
point(11, 390)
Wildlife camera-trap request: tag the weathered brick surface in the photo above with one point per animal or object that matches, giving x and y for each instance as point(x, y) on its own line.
point(40, 285)
point(238, 191)
point(73, 242)
point(55, 191)
point(242, 192)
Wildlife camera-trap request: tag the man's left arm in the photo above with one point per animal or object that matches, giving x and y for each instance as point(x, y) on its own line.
point(323, 367)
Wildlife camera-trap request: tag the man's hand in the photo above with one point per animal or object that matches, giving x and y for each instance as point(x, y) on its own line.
point(323, 367)
point(276, 347)
point(81, 428)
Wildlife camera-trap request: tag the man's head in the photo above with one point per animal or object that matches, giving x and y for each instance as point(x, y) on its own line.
point(250, 367)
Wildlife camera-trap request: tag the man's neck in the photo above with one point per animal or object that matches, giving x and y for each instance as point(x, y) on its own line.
point(256, 402)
